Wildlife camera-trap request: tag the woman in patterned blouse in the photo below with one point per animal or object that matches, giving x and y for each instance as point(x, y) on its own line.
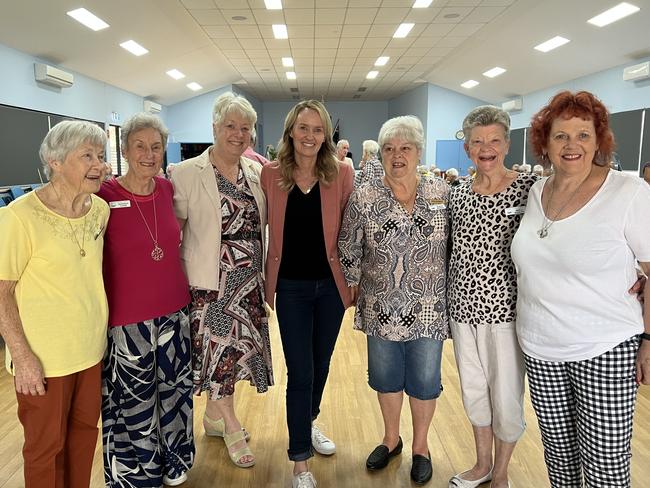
point(485, 213)
point(393, 246)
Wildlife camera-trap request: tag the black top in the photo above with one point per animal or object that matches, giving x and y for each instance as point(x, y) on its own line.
point(304, 256)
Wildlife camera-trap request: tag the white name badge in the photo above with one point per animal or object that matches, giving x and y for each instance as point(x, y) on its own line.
point(120, 204)
point(437, 206)
point(515, 210)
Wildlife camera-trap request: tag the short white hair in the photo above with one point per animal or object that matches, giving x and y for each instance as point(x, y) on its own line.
point(228, 103)
point(452, 172)
point(524, 168)
point(407, 127)
point(65, 137)
point(141, 121)
point(341, 142)
point(370, 147)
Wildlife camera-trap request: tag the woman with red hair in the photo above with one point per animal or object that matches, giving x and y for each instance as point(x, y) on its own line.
point(586, 340)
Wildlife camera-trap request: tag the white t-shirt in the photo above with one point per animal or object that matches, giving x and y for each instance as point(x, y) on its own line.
point(573, 301)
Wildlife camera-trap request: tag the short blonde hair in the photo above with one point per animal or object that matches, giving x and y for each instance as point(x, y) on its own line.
point(228, 103)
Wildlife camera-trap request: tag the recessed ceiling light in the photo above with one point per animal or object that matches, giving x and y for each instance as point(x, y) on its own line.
point(469, 84)
point(372, 75)
point(194, 86)
point(88, 19)
point(280, 31)
point(422, 3)
point(134, 48)
point(613, 14)
point(382, 60)
point(496, 71)
point(291, 75)
point(451, 16)
point(238, 17)
point(287, 62)
point(174, 73)
point(273, 4)
point(551, 44)
point(403, 30)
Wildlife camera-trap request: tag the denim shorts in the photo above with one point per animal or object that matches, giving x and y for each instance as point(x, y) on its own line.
point(409, 366)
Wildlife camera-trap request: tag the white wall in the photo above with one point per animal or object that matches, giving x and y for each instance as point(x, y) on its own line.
point(86, 99)
point(608, 85)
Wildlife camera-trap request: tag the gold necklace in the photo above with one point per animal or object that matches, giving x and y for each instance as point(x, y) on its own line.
point(82, 251)
point(157, 253)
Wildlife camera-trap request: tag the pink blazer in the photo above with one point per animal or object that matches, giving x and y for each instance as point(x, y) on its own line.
point(334, 198)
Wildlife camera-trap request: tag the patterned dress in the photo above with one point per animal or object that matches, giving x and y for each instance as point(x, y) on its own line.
point(230, 335)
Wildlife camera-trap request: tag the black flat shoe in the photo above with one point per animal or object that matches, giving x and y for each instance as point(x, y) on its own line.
point(421, 470)
point(379, 458)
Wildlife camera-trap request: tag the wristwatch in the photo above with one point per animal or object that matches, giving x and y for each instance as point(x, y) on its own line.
point(645, 336)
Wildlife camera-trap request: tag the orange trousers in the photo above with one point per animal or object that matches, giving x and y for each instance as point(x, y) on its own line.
point(61, 430)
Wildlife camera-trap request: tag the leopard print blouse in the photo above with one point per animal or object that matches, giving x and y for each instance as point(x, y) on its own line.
point(482, 278)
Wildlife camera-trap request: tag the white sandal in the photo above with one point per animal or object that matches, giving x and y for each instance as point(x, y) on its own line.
point(458, 482)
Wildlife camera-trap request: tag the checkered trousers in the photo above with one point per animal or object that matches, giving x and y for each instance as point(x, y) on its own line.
point(585, 411)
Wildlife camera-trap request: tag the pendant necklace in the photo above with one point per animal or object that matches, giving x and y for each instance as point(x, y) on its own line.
point(157, 253)
point(82, 251)
point(547, 223)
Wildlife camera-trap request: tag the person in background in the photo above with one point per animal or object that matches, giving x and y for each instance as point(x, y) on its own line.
point(169, 170)
point(307, 190)
point(525, 168)
point(393, 249)
point(436, 172)
point(369, 167)
point(646, 172)
point(250, 152)
point(222, 211)
point(515, 167)
point(538, 170)
point(586, 341)
point(342, 149)
point(471, 172)
point(451, 176)
point(53, 308)
point(485, 213)
point(147, 374)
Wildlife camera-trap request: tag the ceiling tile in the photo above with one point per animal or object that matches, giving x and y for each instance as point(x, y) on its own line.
point(208, 17)
point(355, 30)
point(360, 15)
point(422, 15)
point(437, 30)
point(302, 53)
point(301, 43)
point(373, 52)
point(268, 17)
point(393, 16)
point(444, 17)
point(451, 41)
point(294, 4)
point(299, 16)
point(497, 3)
point(319, 52)
point(463, 3)
point(246, 31)
point(301, 31)
point(327, 43)
point(465, 30)
point(224, 44)
point(218, 31)
point(231, 4)
point(376, 42)
point(483, 14)
point(417, 51)
point(277, 43)
point(328, 30)
point(394, 52)
point(252, 44)
point(351, 42)
point(197, 4)
point(234, 53)
point(425, 42)
point(439, 51)
point(383, 30)
point(348, 52)
point(247, 13)
point(330, 16)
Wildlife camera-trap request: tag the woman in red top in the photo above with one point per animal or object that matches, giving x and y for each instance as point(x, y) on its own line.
point(147, 382)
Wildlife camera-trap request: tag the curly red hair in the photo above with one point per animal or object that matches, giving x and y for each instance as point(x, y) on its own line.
point(567, 105)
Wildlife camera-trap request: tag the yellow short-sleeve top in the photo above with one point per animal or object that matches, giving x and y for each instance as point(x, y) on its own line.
point(60, 294)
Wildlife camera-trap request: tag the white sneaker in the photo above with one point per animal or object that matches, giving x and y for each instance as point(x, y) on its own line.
point(175, 481)
point(321, 444)
point(303, 480)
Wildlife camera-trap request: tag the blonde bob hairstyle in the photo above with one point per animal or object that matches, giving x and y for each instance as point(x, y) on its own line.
point(327, 166)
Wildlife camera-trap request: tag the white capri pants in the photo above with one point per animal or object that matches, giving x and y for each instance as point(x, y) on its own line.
point(491, 369)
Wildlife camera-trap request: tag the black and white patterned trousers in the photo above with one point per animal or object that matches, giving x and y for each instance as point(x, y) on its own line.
point(585, 411)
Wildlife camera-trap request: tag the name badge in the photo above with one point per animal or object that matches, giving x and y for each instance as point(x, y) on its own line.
point(437, 206)
point(120, 204)
point(515, 210)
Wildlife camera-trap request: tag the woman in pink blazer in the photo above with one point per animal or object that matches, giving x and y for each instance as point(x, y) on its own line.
point(306, 192)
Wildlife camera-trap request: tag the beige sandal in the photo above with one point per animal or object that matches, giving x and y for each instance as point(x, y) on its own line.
point(231, 440)
point(216, 428)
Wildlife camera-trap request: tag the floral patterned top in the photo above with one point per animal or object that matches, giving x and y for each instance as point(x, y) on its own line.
point(398, 260)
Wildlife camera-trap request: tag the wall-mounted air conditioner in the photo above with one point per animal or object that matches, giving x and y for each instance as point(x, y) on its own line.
point(637, 72)
point(152, 107)
point(52, 76)
point(512, 105)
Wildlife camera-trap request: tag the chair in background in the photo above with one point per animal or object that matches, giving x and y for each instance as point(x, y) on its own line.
point(16, 191)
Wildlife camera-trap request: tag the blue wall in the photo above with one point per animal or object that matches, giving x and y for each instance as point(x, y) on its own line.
point(86, 99)
point(608, 85)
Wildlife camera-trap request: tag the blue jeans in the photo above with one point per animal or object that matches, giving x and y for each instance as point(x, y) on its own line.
point(309, 315)
point(409, 366)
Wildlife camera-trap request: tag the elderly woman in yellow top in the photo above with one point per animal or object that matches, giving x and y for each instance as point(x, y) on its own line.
point(53, 309)
point(222, 210)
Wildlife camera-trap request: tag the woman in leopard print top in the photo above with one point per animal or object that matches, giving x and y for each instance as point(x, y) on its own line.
point(485, 214)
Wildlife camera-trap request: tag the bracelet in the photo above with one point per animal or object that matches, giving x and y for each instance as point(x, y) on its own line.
point(645, 336)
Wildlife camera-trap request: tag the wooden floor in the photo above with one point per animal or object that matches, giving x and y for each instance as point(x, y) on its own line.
point(350, 416)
